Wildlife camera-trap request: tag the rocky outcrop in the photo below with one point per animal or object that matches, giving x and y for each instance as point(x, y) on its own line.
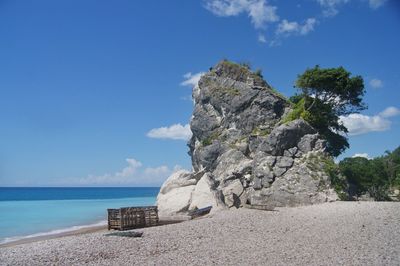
point(241, 151)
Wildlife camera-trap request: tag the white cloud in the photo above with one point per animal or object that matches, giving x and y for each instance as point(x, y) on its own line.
point(374, 4)
point(376, 83)
point(134, 174)
point(363, 155)
point(176, 132)
point(259, 11)
point(262, 13)
point(191, 79)
point(330, 7)
point(358, 124)
point(308, 26)
point(261, 38)
point(390, 112)
point(289, 28)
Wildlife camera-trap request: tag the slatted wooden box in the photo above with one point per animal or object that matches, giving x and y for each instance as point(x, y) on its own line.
point(132, 217)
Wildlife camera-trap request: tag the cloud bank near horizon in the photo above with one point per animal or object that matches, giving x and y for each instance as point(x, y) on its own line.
point(133, 174)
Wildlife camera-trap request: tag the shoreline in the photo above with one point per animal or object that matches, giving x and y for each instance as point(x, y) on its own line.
point(26, 240)
point(336, 233)
point(84, 229)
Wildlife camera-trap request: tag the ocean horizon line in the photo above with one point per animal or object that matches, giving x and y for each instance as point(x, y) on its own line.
point(65, 193)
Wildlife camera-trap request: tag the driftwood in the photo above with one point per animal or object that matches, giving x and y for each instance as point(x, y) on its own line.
point(173, 219)
point(126, 234)
point(259, 207)
point(200, 212)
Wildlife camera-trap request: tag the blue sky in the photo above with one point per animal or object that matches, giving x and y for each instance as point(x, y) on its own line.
point(97, 93)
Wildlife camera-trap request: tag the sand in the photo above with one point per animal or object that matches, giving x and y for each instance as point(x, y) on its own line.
point(345, 233)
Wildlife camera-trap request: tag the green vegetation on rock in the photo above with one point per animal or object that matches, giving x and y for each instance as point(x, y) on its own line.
point(241, 71)
point(209, 140)
point(258, 72)
point(277, 93)
point(297, 112)
point(260, 132)
point(323, 162)
point(230, 91)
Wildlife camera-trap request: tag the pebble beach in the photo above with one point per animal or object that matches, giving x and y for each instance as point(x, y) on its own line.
point(339, 233)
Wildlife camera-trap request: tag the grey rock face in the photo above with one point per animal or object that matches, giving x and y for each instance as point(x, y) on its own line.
point(205, 120)
point(285, 137)
point(299, 185)
point(290, 152)
point(207, 156)
point(278, 171)
point(284, 162)
point(240, 151)
point(307, 142)
point(232, 165)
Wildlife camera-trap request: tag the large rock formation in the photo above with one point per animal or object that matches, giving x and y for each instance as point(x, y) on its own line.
point(242, 153)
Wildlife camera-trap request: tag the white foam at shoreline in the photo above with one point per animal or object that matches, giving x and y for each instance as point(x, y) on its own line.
point(52, 232)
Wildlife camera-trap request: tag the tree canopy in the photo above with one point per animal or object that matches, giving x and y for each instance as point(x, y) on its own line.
point(376, 176)
point(325, 95)
point(333, 87)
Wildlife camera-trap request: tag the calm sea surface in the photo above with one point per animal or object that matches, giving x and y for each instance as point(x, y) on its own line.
point(27, 212)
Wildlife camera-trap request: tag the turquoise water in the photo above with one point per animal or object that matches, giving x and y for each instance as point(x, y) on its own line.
point(55, 210)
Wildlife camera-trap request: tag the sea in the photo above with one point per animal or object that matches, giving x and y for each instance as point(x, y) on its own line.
point(31, 212)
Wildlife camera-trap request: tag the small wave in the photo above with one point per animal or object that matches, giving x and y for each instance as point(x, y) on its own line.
point(52, 232)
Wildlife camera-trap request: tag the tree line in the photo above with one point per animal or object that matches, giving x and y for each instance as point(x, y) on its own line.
point(378, 177)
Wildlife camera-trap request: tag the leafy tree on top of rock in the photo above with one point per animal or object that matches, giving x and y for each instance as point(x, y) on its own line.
point(325, 95)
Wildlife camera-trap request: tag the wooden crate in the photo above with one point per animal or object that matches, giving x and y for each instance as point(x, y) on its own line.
point(132, 217)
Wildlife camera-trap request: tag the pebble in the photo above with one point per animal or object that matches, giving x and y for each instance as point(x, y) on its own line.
point(324, 234)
